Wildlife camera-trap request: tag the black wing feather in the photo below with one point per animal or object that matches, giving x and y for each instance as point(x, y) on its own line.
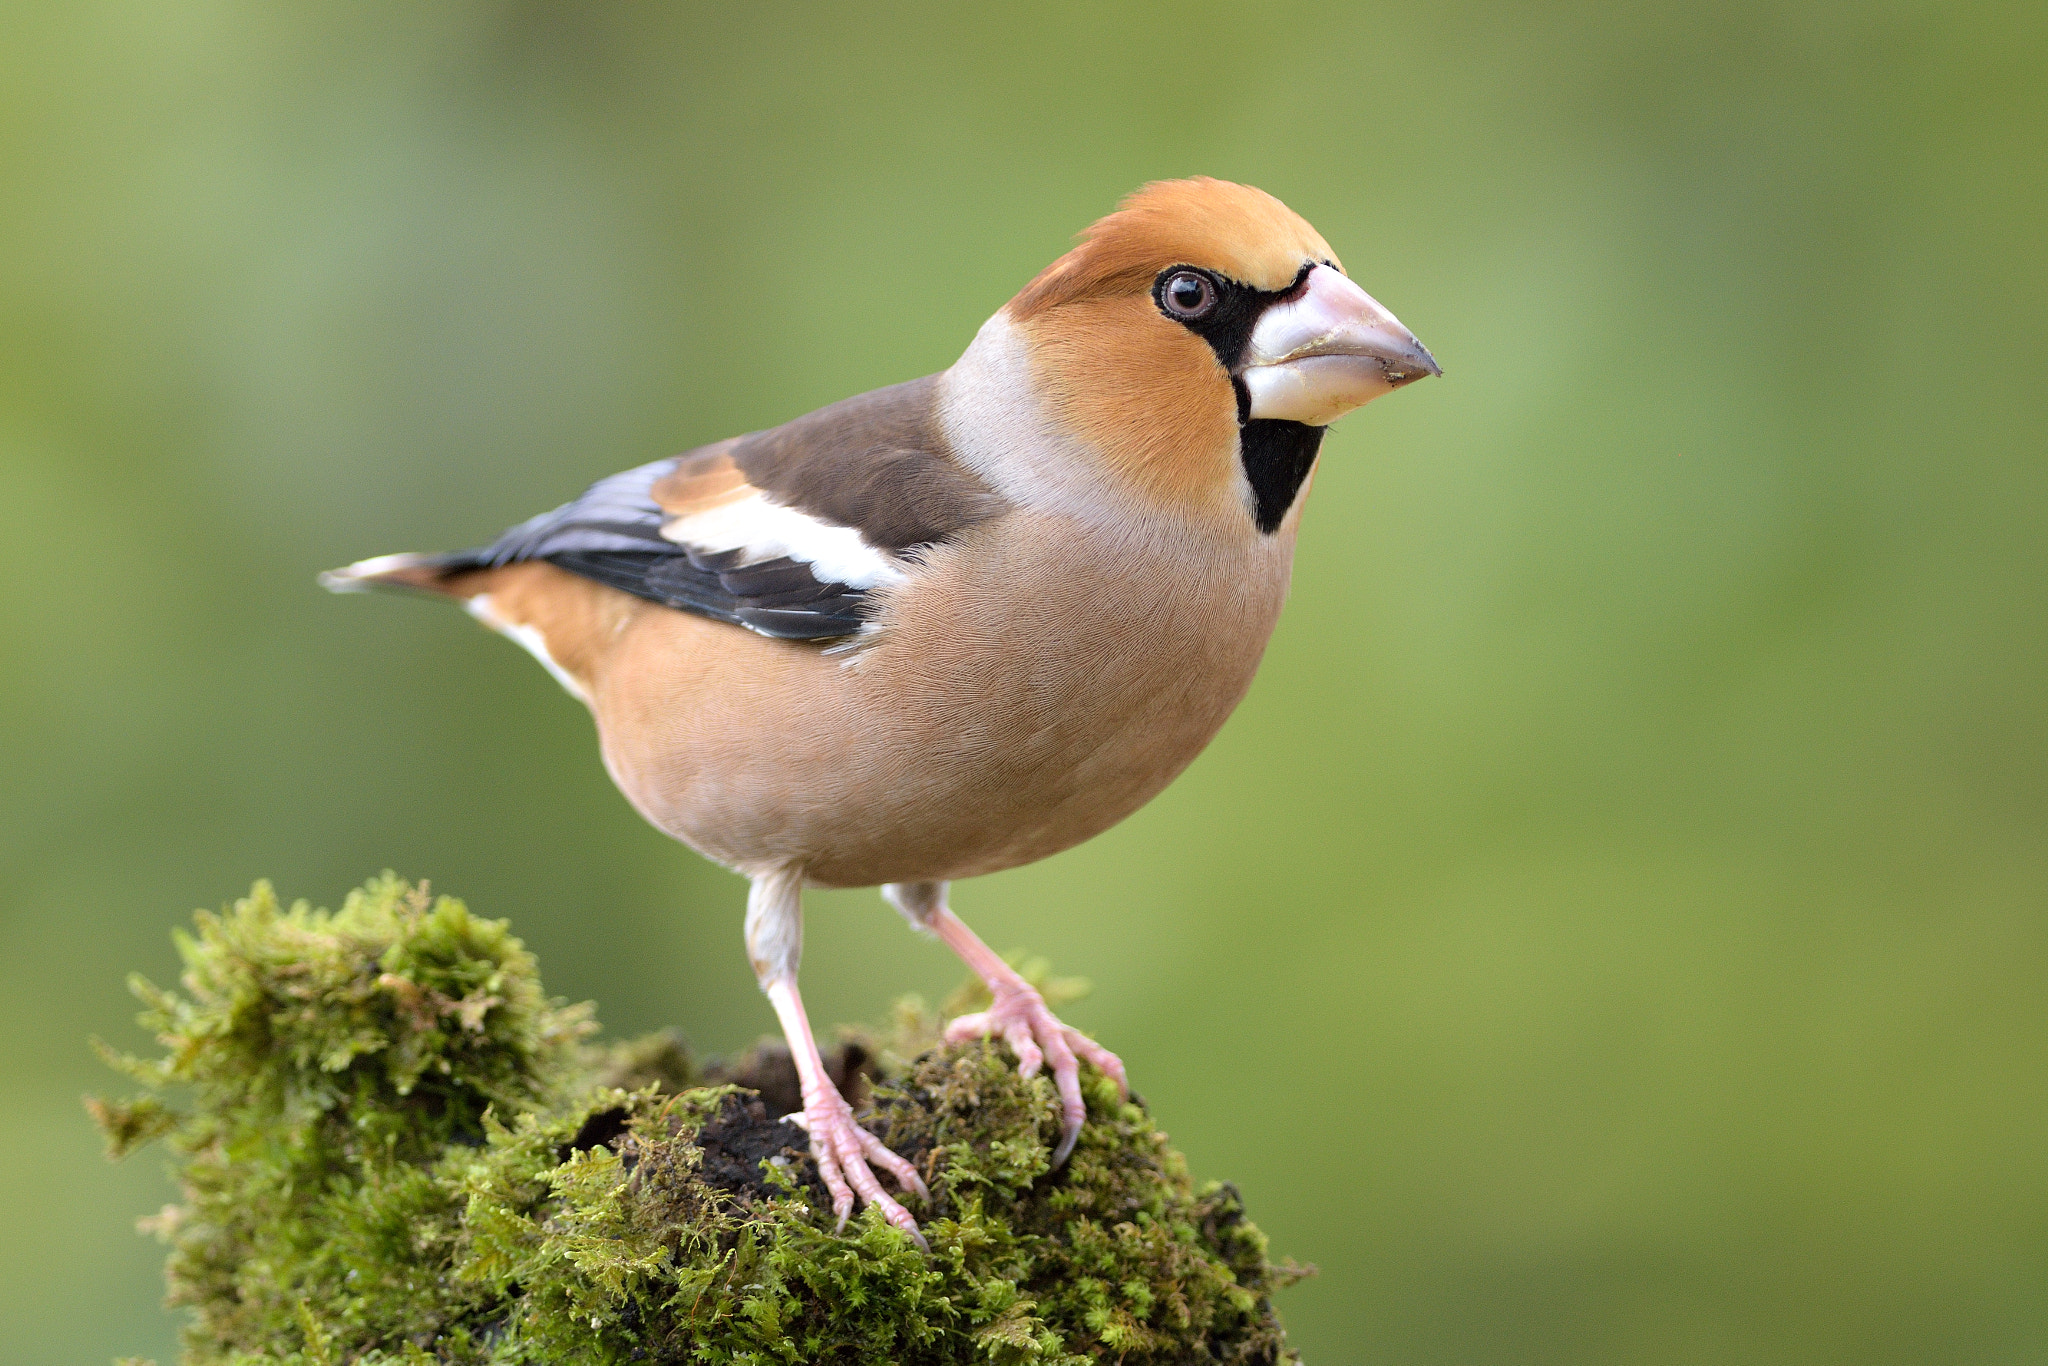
point(613, 534)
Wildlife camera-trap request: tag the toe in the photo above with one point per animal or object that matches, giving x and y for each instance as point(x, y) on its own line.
point(828, 1153)
point(1104, 1061)
point(1039, 1040)
point(854, 1162)
point(905, 1174)
point(842, 1194)
point(1029, 1056)
point(901, 1219)
point(973, 1026)
point(1066, 1076)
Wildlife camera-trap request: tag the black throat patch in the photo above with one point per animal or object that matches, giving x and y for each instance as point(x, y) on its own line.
point(1277, 457)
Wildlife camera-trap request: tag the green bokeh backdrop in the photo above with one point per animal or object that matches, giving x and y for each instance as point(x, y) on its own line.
point(1612, 930)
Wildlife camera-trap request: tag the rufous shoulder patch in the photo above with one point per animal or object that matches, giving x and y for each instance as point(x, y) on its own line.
point(701, 481)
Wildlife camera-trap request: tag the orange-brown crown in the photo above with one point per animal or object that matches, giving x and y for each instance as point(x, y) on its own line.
point(1234, 230)
point(1147, 393)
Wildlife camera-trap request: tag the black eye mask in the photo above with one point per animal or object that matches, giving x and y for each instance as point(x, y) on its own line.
point(1277, 454)
point(1228, 322)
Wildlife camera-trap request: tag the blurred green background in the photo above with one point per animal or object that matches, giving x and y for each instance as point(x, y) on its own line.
point(1611, 931)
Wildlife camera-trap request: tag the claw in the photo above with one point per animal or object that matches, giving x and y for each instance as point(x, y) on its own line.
point(1019, 1017)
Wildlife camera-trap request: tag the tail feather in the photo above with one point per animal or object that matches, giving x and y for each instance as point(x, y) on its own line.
point(420, 573)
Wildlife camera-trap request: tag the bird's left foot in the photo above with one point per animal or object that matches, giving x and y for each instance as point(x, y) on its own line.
point(1021, 1019)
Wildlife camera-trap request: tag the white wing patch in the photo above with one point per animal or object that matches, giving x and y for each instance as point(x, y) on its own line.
point(765, 530)
point(528, 639)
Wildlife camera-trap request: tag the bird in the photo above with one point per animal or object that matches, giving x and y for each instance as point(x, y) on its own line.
point(962, 623)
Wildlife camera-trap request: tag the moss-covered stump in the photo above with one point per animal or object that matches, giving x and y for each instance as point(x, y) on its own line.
point(395, 1148)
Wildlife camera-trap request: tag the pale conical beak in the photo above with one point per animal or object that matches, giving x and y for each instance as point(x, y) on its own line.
point(1315, 358)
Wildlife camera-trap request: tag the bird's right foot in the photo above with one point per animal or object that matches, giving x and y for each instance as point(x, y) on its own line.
point(843, 1151)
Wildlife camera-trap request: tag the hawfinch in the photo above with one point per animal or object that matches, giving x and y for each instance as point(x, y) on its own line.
point(958, 624)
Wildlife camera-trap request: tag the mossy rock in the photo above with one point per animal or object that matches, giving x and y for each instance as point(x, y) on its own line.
point(395, 1148)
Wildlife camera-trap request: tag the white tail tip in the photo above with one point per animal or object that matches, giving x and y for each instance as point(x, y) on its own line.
point(364, 575)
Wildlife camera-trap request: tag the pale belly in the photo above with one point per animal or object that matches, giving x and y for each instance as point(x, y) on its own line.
point(1023, 708)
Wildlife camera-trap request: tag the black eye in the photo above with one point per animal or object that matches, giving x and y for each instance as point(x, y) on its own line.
point(1187, 295)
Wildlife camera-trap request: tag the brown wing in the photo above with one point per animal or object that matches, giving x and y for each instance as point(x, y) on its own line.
point(878, 462)
point(782, 531)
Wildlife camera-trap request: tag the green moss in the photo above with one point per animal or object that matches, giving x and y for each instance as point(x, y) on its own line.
point(394, 1148)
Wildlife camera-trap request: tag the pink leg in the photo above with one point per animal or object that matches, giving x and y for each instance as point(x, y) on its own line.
point(841, 1148)
point(1018, 1015)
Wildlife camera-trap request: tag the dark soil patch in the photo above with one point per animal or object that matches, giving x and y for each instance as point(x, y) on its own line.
point(743, 1135)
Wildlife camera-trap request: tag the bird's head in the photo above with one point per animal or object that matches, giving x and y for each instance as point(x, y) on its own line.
point(1198, 308)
